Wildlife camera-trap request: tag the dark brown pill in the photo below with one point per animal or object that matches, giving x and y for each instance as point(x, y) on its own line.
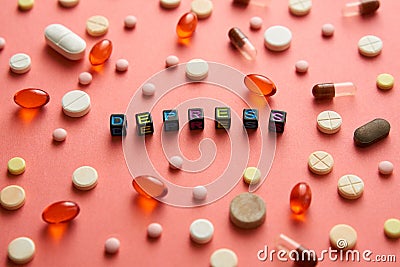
point(236, 36)
point(324, 91)
point(371, 132)
point(241, 2)
point(368, 7)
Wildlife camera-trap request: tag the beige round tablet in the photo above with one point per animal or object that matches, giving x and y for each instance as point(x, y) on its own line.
point(97, 25)
point(197, 69)
point(21, 250)
point(392, 228)
point(343, 236)
point(76, 103)
point(223, 257)
point(247, 211)
point(385, 81)
point(300, 7)
point(370, 46)
point(329, 122)
point(350, 186)
point(68, 3)
point(320, 162)
point(12, 197)
point(202, 8)
point(85, 178)
point(16, 165)
point(170, 4)
point(251, 175)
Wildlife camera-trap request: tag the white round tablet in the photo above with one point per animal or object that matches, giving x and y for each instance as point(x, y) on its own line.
point(148, 89)
point(169, 4)
point(197, 69)
point(175, 162)
point(59, 134)
point(130, 21)
point(301, 66)
point(76, 103)
point(122, 65)
point(199, 193)
point(300, 7)
point(85, 178)
point(201, 231)
point(20, 63)
point(12, 197)
point(223, 257)
point(370, 46)
point(329, 122)
point(256, 23)
point(21, 250)
point(202, 8)
point(171, 60)
point(68, 3)
point(85, 78)
point(277, 38)
point(112, 245)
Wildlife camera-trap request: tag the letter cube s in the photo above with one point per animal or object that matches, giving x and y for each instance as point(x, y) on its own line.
point(250, 118)
point(277, 121)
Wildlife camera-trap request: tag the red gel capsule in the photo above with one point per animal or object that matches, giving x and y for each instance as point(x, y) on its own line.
point(31, 98)
point(149, 186)
point(100, 52)
point(300, 198)
point(60, 212)
point(260, 84)
point(187, 25)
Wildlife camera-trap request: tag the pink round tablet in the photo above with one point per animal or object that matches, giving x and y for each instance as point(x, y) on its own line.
point(328, 30)
point(175, 162)
point(2, 43)
point(199, 193)
point(256, 23)
point(171, 61)
point(130, 21)
point(148, 89)
point(385, 167)
point(154, 230)
point(112, 245)
point(85, 78)
point(59, 134)
point(122, 65)
point(301, 66)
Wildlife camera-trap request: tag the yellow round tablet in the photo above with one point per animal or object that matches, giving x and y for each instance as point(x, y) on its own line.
point(251, 175)
point(25, 4)
point(385, 81)
point(12, 197)
point(16, 165)
point(392, 228)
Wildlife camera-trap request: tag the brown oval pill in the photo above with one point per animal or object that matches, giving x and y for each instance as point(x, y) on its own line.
point(371, 132)
point(247, 211)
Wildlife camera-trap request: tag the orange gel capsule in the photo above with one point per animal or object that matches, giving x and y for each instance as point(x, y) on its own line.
point(187, 25)
point(149, 186)
point(60, 212)
point(260, 84)
point(300, 198)
point(100, 52)
point(31, 98)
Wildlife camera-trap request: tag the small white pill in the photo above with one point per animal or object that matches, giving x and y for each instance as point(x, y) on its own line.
point(256, 23)
point(68, 3)
point(112, 245)
point(85, 78)
point(154, 230)
point(385, 167)
point(148, 89)
point(122, 65)
point(2, 43)
point(175, 162)
point(300, 7)
point(201, 231)
point(85, 178)
point(170, 4)
point(76, 103)
point(59, 134)
point(199, 193)
point(20, 63)
point(301, 66)
point(197, 69)
point(370, 46)
point(130, 22)
point(171, 61)
point(21, 250)
point(277, 38)
point(328, 30)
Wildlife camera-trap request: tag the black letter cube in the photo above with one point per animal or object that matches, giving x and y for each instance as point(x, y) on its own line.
point(171, 120)
point(144, 123)
point(118, 124)
point(277, 121)
point(222, 118)
point(250, 118)
point(196, 118)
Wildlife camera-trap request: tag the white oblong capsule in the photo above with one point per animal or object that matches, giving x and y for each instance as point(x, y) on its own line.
point(64, 41)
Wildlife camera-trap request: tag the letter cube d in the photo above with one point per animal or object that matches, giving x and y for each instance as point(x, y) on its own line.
point(277, 121)
point(118, 124)
point(250, 118)
point(222, 118)
point(171, 120)
point(196, 118)
point(144, 123)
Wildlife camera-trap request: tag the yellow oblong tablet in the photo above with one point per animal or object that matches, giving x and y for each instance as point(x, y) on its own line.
point(16, 165)
point(25, 5)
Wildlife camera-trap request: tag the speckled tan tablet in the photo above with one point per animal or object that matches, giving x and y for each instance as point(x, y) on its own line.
point(320, 162)
point(247, 211)
point(350, 186)
point(371, 132)
point(329, 122)
point(343, 236)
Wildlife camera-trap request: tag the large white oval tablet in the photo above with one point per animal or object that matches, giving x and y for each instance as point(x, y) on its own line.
point(197, 69)
point(202, 8)
point(201, 231)
point(21, 250)
point(300, 7)
point(85, 178)
point(169, 4)
point(277, 38)
point(76, 103)
point(223, 257)
point(20, 63)
point(12, 197)
point(64, 41)
point(370, 46)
